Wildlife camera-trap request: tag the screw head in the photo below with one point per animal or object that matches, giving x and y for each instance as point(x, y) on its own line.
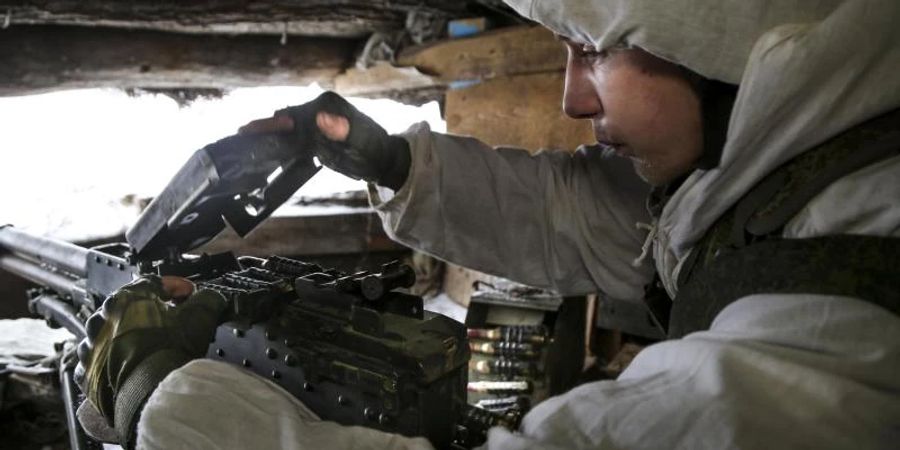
point(245, 362)
point(307, 387)
point(238, 333)
point(290, 360)
point(276, 374)
point(220, 353)
point(271, 353)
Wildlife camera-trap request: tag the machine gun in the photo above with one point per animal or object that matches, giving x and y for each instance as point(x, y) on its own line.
point(349, 346)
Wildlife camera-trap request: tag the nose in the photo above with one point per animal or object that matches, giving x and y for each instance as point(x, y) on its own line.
point(580, 99)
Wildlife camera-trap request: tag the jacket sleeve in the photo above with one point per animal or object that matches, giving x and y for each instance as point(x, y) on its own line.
point(774, 371)
point(209, 404)
point(553, 220)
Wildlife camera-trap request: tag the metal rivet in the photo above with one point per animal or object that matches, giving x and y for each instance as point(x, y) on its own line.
point(307, 387)
point(220, 352)
point(246, 362)
point(270, 335)
point(290, 360)
point(288, 342)
point(97, 259)
point(121, 266)
point(271, 353)
point(370, 413)
point(238, 333)
point(342, 400)
point(384, 419)
point(275, 374)
point(109, 262)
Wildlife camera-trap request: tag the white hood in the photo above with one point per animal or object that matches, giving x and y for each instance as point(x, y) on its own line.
point(807, 70)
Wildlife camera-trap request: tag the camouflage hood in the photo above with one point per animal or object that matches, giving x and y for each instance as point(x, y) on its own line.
point(806, 70)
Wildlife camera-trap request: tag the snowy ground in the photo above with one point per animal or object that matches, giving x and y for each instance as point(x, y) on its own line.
point(70, 158)
point(28, 338)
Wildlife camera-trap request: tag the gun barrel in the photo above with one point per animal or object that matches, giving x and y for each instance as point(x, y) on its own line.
point(37, 274)
point(61, 313)
point(59, 254)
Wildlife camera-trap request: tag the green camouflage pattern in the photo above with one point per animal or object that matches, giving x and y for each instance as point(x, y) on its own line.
point(136, 322)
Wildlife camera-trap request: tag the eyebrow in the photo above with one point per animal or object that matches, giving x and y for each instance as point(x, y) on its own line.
point(567, 40)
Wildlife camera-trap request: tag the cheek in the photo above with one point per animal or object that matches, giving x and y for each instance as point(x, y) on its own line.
point(659, 103)
point(631, 103)
point(663, 111)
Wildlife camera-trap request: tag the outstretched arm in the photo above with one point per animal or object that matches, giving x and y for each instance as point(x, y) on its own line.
point(554, 219)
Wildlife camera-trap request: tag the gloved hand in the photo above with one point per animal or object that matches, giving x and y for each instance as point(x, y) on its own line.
point(344, 139)
point(136, 338)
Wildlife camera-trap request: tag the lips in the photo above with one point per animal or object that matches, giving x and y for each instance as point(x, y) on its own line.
point(608, 143)
point(618, 148)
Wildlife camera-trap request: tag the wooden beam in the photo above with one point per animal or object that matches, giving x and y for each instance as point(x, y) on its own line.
point(382, 77)
point(346, 18)
point(507, 51)
point(382, 80)
point(42, 58)
point(330, 234)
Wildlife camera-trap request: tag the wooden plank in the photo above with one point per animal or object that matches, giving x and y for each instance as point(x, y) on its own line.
point(505, 52)
point(332, 234)
point(382, 78)
point(508, 51)
point(41, 58)
point(522, 111)
point(459, 282)
point(347, 18)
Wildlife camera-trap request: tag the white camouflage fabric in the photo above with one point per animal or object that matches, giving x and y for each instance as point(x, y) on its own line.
point(774, 371)
point(807, 71)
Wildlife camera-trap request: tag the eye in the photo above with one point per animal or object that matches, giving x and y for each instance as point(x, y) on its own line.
point(591, 53)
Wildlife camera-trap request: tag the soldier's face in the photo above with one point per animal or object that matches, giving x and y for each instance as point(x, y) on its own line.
point(642, 107)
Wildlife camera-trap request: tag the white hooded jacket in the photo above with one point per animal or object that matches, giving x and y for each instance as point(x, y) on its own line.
point(774, 370)
point(806, 72)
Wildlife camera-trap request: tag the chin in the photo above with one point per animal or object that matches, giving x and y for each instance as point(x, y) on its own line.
point(647, 173)
point(657, 174)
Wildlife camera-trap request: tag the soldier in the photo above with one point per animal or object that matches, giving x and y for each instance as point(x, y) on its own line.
point(764, 135)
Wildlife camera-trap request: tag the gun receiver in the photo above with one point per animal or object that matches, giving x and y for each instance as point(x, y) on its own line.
point(381, 362)
point(350, 346)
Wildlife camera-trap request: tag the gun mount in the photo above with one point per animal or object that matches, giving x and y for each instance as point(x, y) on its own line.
point(350, 346)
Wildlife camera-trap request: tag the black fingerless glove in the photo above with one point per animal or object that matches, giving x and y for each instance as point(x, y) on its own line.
point(135, 340)
point(368, 153)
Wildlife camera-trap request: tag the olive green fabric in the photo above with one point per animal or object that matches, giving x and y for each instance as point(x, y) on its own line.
point(141, 339)
point(864, 267)
point(743, 253)
point(137, 387)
